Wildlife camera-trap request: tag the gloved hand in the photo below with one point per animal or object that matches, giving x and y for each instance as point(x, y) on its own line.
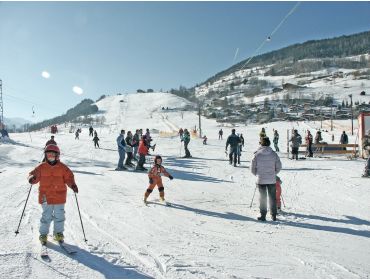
point(74, 188)
point(171, 178)
point(32, 179)
point(151, 181)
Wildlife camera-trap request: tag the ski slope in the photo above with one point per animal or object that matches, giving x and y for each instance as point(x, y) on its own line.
point(210, 231)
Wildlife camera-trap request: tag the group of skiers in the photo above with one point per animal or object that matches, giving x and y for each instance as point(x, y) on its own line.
point(54, 176)
point(132, 145)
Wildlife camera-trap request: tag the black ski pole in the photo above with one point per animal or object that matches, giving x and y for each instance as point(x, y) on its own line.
point(253, 197)
point(78, 207)
point(24, 208)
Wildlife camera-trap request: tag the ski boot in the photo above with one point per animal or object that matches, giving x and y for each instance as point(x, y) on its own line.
point(262, 218)
point(59, 237)
point(43, 238)
point(273, 217)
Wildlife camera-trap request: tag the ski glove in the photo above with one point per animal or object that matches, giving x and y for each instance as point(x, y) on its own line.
point(74, 188)
point(32, 179)
point(151, 181)
point(171, 178)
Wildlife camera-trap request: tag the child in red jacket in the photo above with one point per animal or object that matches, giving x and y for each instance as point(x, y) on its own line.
point(156, 180)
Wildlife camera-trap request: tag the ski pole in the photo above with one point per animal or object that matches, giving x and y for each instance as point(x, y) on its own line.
point(253, 197)
point(24, 208)
point(78, 207)
point(282, 199)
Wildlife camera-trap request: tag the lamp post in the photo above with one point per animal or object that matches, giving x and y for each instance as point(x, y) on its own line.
point(350, 96)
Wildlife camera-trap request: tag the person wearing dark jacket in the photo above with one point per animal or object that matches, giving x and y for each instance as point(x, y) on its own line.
point(266, 165)
point(135, 143)
point(296, 140)
point(129, 149)
point(186, 139)
point(344, 139)
point(91, 130)
point(96, 140)
point(233, 140)
point(51, 141)
point(309, 140)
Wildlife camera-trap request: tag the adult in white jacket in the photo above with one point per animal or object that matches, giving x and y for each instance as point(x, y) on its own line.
point(265, 165)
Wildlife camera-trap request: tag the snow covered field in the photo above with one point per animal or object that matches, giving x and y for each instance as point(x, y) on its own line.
point(210, 231)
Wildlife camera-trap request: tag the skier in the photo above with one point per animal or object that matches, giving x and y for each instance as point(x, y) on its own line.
point(186, 139)
point(121, 150)
point(233, 140)
point(276, 140)
point(91, 129)
point(241, 142)
point(220, 133)
point(53, 177)
point(367, 168)
point(135, 143)
point(265, 165)
point(96, 140)
point(239, 150)
point(318, 137)
point(51, 141)
point(296, 140)
point(262, 133)
point(205, 140)
point(344, 139)
point(309, 140)
point(155, 179)
point(129, 149)
point(181, 132)
point(143, 151)
point(278, 193)
point(77, 134)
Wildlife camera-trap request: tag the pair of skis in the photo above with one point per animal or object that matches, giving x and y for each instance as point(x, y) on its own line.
point(66, 248)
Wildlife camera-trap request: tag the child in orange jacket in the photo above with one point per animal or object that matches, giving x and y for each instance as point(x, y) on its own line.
point(155, 179)
point(53, 177)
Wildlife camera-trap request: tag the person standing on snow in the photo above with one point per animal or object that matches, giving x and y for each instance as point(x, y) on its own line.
point(121, 150)
point(51, 141)
point(220, 133)
point(143, 151)
point(309, 140)
point(181, 132)
point(77, 134)
point(278, 192)
point(276, 140)
point(344, 139)
point(155, 179)
point(135, 143)
point(91, 130)
point(53, 177)
point(186, 139)
point(205, 140)
point(262, 133)
point(233, 140)
point(241, 142)
point(96, 140)
point(129, 149)
point(296, 140)
point(265, 165)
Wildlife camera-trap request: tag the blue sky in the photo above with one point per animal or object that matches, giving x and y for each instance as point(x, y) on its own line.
point(111, 47)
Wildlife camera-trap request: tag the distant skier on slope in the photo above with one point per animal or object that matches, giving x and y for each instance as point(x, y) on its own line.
point(143, 151)
point(53, 177)
point(121, 150)
point(276, 140)
point(186, 140)
point(96, 140)
point(51, 141)
point(129, 149)
point(265, 165)
point(220, 133)
point(155, 179)
point(296, 140)
point(91, 130)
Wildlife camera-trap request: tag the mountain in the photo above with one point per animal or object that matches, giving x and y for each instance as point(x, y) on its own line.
point(18, 122)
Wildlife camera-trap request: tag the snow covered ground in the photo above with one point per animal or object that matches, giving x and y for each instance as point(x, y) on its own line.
point(210, 231)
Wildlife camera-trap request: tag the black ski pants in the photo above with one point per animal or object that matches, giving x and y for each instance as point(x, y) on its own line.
point(187, 152)
point(233, 152)
point(271, 189)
